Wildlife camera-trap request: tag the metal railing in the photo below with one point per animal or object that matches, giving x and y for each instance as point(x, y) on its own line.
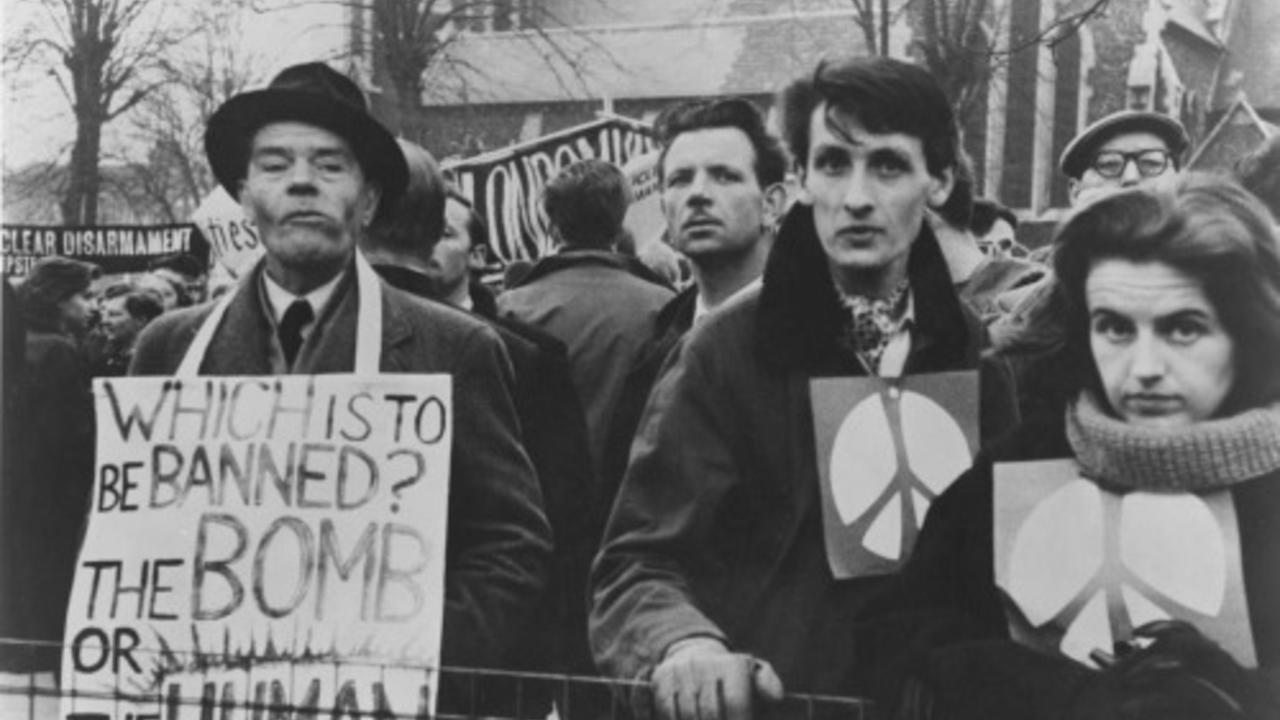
point(461, 693)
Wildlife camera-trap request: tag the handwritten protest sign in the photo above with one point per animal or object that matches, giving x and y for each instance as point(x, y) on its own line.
point(886, 448)
point(244, 523)
point(114, 248)
point(1082, 566)
point(233, 236)
point(505, 186)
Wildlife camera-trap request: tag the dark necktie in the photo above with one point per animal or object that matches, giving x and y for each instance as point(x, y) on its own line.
point(298, 316)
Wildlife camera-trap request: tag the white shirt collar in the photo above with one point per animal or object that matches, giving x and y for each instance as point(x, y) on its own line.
point(700, 306)
point(280, 299)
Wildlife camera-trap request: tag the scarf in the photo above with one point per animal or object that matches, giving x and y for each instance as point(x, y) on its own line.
point(873, 322)
point(1203, 456)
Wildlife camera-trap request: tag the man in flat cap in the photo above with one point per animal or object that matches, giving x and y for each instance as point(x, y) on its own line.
point(1123, 149)
point(311, 167)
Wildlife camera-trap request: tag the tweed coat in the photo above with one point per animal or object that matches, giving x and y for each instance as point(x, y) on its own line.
point(499, 542)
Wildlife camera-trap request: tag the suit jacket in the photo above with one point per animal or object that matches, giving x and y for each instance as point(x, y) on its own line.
point(499, 542)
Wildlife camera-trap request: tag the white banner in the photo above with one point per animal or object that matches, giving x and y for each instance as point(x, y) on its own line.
point(246, 520)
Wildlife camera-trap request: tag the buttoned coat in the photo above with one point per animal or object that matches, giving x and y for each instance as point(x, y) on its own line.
point(499, 542)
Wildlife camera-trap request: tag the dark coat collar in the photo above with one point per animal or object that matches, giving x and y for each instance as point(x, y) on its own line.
point(800, 317)
point(578, 258)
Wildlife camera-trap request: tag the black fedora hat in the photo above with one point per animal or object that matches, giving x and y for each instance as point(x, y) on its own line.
point(316, 94)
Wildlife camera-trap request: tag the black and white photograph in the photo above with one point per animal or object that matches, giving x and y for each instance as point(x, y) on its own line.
point(640, 360)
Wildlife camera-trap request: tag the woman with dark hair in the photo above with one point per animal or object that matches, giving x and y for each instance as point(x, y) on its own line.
point(1118, 556)
point(50, 492)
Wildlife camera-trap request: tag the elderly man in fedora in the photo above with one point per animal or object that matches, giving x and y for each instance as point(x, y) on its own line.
point(311, 167)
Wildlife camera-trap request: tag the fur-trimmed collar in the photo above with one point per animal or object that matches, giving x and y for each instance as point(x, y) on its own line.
point(800, 317)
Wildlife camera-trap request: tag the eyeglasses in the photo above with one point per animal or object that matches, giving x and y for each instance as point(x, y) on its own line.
point(1110, 164)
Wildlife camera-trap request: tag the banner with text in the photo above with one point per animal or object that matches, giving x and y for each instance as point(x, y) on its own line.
point(114, 248)
point(244, 523)
point(505, 186)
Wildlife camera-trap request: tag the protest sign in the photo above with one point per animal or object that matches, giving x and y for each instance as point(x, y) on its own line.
point(233, 236)
point(886, 448)
point(1083, 566)
point(114, 248)
point(505, 186)
point(240, 521)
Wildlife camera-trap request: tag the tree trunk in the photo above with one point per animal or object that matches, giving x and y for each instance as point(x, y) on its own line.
point(80, 201)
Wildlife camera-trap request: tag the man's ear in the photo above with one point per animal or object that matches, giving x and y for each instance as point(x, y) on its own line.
point(1073, 190)
point(373, 196)
point(775, 203)
point(941, 186)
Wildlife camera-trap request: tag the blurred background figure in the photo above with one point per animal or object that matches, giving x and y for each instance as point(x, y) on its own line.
point(170, 292)
point(426, 244)
point(980, 278)
point(125, 310)
point(996, 228)
point(463, 251)
point(187, 274)
point(600, 303)
point(47, 499)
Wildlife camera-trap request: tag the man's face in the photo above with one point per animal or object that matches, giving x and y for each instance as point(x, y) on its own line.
point(450, 261)
point(711, 197)
point(1132, 151)
point(869, 192)
point(119, 326)
point(307, 194)
point(194, 287)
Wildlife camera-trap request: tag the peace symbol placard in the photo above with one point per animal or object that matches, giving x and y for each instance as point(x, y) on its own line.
point(886, 448)
point(1081, 567)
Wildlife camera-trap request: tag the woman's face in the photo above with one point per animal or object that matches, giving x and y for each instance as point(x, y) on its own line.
point(1163, 355)
point(76, 311)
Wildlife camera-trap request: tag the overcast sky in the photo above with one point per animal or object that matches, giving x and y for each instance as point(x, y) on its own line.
point(37, 119)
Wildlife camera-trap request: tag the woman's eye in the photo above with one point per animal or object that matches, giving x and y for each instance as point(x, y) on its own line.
point(1185, 331)
point(1112, 328)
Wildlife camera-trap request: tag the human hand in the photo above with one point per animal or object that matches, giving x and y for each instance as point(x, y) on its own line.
point(699, 679)
point(1174, 671)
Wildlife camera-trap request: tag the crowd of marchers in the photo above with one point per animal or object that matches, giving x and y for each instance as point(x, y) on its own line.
point(635, 489)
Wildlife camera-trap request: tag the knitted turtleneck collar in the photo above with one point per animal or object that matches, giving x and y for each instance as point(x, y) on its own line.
point(1203, 456)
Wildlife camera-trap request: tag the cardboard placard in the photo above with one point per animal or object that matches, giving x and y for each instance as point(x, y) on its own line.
point(233, 236)
point(1080, 567)
point(242, 521)
point(886, 447)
